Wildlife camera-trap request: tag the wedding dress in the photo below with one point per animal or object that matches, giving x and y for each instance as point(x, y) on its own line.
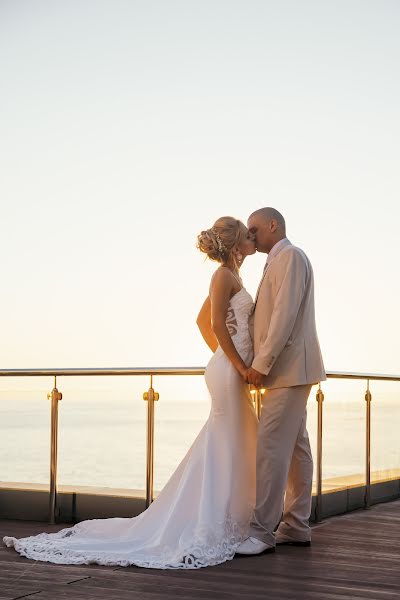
point(202, 514)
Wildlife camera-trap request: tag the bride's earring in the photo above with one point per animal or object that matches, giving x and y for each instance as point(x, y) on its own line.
point(239, 257)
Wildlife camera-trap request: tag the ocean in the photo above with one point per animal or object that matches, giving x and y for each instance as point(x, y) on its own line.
point(102, 429)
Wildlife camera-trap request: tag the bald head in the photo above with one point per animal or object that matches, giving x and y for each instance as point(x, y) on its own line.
point(268, 214)
point(268, 227)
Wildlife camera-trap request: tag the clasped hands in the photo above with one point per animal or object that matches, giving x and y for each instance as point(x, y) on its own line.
point(253, 377)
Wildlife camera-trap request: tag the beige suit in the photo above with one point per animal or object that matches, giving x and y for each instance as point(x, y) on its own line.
point(287, 352)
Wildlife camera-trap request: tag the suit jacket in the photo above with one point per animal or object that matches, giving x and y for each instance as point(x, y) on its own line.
point(286, 347)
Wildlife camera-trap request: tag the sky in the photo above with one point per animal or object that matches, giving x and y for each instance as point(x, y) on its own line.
point(128, 127)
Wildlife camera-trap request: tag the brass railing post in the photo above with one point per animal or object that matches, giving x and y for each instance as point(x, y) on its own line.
point(368, 398)
point(150, 396)
point(318, 507)
point(260, 394)
point(257, 399)
point(55, 396)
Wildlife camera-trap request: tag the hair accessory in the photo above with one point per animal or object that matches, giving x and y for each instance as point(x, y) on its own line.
point(221, 247)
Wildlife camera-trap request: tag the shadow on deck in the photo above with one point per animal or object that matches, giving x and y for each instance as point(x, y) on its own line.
point(356, 555)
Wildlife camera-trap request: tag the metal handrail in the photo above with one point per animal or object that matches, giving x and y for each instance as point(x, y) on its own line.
point(102, 371)
point(371, 376)
point(165, 371)
point(151, 396)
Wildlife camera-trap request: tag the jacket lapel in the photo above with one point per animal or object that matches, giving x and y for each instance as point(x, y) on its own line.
point(287, 243)
point(259, 286)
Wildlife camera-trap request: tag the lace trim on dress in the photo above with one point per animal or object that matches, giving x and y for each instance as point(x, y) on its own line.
point(206, 549)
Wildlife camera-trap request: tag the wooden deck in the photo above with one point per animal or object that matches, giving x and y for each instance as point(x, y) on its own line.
point(356, 555)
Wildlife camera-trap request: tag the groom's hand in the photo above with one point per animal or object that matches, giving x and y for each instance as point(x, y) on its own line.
point(254, 377)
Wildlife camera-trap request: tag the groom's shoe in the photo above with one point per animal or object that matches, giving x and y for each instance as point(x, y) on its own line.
point(252, 546)
point(285, 540)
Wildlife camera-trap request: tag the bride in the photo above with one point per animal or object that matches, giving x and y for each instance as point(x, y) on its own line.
point(202, 514)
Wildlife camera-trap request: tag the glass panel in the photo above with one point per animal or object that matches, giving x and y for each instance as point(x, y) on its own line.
point(25, 430)
point(343, 455)
point(180, 413)
point(312, 428)
point(102, 431)
point(385, 426)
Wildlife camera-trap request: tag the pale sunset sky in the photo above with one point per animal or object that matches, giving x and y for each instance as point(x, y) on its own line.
point(127, 127)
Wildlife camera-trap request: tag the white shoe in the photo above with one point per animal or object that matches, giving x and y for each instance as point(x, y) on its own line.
point(253, 546)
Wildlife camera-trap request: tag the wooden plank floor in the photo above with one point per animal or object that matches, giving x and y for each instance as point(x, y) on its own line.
point(353, 556)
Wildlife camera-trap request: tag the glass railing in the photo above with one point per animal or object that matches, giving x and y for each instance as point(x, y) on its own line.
point(102, 433)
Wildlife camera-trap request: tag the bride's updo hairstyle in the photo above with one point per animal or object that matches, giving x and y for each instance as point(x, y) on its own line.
point(217, 243)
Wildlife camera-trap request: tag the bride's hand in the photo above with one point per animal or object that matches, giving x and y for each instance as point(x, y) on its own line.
point(254, 377)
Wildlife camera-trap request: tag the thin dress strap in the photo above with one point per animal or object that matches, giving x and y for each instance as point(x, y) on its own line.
point(237, 279)
point(235, 276)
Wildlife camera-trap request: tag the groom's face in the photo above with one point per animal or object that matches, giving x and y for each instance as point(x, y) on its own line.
point(263, 231)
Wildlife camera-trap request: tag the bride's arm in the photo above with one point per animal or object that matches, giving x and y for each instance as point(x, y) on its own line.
point(221, 291)
point(204, 324)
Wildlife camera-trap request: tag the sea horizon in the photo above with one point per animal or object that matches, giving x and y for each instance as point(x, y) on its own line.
point(102, 433)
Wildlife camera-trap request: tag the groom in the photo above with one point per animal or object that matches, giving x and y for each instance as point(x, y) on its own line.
point(287, 362)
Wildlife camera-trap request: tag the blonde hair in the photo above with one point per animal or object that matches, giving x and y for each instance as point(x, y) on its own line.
point(217, 243)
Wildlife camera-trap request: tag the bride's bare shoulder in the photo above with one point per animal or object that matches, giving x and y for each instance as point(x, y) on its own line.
point(221, 281)
point(221, 276)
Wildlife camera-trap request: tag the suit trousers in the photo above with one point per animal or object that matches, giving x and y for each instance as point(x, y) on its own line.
point(284, 464)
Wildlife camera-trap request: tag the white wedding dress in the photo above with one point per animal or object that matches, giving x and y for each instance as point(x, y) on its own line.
point(202, 514)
